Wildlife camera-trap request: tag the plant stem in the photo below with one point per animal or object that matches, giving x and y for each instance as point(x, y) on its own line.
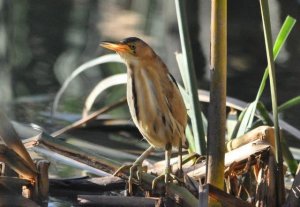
point(278, 153)
point(196, 119)
point(217, 107)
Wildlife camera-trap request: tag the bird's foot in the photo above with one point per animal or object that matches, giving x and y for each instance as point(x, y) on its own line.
point(135, 172)
point(136, 169)
point(122, 169)
point(168, 178)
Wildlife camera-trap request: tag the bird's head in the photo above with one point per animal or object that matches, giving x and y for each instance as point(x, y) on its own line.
point(130, 49)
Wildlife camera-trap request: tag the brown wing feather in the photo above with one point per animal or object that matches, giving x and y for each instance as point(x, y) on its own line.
point(176, 105)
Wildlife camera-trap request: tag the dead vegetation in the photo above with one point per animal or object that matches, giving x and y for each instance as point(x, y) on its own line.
point(250, 175)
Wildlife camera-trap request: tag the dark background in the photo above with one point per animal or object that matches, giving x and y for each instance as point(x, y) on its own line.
point(42, 42)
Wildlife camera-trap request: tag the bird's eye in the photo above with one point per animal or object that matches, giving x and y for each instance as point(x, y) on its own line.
point(132, 47)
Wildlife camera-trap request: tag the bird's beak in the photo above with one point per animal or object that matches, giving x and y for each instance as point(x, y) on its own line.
point(115, 46)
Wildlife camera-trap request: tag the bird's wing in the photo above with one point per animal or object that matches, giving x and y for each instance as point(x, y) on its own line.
point(175, 101)
point(176, 104)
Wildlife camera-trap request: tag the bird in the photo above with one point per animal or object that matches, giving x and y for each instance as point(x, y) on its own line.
point(155, 102)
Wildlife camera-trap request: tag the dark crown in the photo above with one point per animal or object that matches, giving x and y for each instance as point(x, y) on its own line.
point(130, 40)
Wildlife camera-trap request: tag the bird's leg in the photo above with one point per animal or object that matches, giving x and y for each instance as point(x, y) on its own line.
point(180, 171)
point(136, 165)
point(166, 175)
point(168, 165)
point(137, 162)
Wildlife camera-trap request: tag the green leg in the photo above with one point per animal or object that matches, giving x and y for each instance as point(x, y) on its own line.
point(137, 166)
point(180, 172)
point(166, 175)
point(168, 153)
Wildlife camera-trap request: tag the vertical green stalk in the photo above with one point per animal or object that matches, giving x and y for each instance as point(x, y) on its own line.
point(271, 67)
point(217, 107)
point(196, 119)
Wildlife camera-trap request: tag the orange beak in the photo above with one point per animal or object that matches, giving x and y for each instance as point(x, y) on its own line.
point(115, 46)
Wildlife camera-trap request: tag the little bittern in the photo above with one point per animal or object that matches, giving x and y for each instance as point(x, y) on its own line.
point(154, 100)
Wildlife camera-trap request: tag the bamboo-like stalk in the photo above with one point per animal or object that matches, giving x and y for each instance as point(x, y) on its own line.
point(278, 153)
point(264, 133)
point(217, 107)
point(240, 154)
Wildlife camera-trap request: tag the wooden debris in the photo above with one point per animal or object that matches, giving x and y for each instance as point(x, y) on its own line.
point(262, 133)
point(226, 199)
point(86, 185)
point(17, 163)
point(175, 192)
point(265, 187)
point(11, 200)
point(74, 152)
point(12, 140)
point(235, 156)
point(12, 185)
point(182, 195)
point(293, 199)
point(120, 201)
point(42, 181)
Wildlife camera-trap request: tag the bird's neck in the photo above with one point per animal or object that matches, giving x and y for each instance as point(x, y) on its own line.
point(153, 63)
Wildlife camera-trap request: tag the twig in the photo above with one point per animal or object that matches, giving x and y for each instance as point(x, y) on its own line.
point(88, 118)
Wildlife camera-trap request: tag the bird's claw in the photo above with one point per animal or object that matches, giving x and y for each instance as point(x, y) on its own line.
point(135, 167)
point(121, 169)
point(168, 178)
point(156, 180)
point(138, 168)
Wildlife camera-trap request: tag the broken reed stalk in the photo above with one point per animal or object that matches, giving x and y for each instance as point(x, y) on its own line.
point(264, 133)
point(89, 117)
point(42, 180)
point(104, 200)
point(217, 107)
point(76, 153)
point(17, 163)
point(266, 181)
point(107, 165)
point(238, 155)
point(173, 191)
point(12, 140)
point(85, 185)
